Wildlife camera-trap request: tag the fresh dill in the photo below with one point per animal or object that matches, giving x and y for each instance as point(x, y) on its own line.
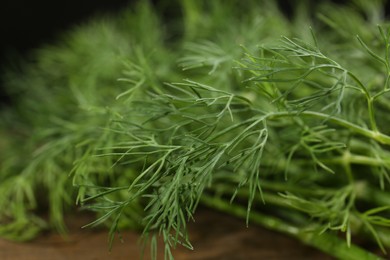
point(140, 125)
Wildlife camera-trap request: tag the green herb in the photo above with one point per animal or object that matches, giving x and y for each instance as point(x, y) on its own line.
point(290, 133)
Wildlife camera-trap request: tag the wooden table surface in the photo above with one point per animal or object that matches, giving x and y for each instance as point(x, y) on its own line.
point(213, 235)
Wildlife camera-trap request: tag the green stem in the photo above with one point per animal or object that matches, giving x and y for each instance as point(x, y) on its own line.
point(325, 242)
point(347, 166)
point(372, 194)
point(357, 159)
point(373, 134)
point(371, 113)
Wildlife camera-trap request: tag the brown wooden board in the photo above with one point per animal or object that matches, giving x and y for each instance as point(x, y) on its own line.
point(213, 235)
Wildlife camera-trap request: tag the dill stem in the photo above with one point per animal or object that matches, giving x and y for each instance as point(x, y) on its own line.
point(373, 134)
point(325, 242)
point(371, 113)
point(347, 166)
point(356, 159)
point(371, 194)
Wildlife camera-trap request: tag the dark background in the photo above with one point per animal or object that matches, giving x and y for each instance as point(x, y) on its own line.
point(27, 24)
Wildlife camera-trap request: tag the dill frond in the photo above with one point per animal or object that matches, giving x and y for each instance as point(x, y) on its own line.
point(142, 127)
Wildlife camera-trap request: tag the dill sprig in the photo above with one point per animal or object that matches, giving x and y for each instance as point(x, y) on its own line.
point(289, 133)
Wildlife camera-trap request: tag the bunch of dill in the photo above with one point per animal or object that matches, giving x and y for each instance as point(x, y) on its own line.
point(141, 120)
